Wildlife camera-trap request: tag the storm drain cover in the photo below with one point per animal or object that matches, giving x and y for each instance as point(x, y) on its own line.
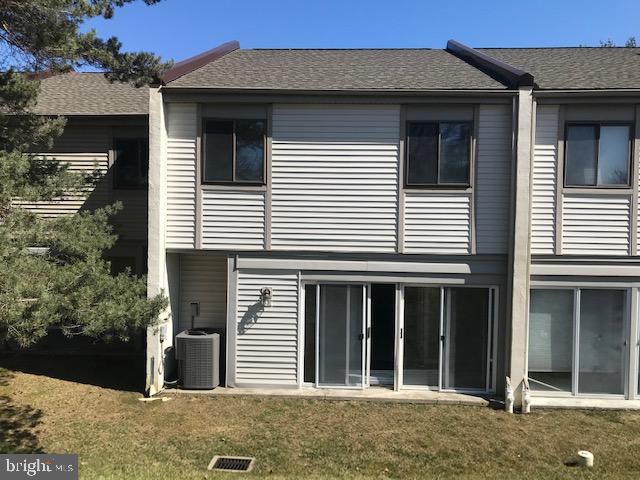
point(231, 464)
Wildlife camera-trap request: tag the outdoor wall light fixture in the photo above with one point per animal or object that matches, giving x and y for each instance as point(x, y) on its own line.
point(266, 293)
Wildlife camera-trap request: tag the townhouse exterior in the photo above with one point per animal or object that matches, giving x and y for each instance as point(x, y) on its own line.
point(411, 218)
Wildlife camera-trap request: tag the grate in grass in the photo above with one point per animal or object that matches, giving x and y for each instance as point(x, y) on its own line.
point(231, 464)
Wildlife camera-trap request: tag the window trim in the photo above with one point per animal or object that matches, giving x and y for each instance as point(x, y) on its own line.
point(598, 126)
point(114, 140)
point(439, 186)
point(233, 181)
point(627, 354)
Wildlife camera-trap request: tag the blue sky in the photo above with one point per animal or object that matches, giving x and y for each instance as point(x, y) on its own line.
point(180, 28)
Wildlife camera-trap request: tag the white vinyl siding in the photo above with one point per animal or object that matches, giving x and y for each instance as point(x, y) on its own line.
point(596, 224)
point(203, 279)
point(181, 175)
point(544, 181)
point(437, 222)
point(233, 220)
point(335, 177)
point(492, 187)
point(84, 149)
point(267, 338)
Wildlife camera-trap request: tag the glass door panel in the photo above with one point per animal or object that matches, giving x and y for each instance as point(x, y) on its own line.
point(340, 336)
point(421, 336)
point(601, 352)
point(466, 339)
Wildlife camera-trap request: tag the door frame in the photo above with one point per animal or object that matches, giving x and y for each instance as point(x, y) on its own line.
point(491, 367)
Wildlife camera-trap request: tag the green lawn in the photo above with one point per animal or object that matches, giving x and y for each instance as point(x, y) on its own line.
point(94, 411)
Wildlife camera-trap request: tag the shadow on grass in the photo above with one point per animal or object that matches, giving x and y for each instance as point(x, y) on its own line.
point(126, 373)
point(18, 423)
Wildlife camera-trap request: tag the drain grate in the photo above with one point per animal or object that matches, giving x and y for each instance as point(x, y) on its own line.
point(231, 464)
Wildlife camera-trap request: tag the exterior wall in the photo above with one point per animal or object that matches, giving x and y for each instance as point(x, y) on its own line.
point(202, 279)
point(437, 223)
point(233, 220)
point(181, 175)
point(492, 184)
point(334, 183)
point(86, 146)
point(266, 350)
point(85, 150)
point(335, 177)
point(266, 344)
point(585, 221)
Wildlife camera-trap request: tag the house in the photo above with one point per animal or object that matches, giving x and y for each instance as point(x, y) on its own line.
point(106, 132)
point(419, 219)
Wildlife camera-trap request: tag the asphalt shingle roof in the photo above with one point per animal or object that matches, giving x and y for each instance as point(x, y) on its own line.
point(576, 67)
point(76, 93)
point(363, 69)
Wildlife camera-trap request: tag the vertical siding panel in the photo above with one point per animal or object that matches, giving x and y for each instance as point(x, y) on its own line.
point(203, 278)
point(233, 220)
point(181, 175)
point(544, 178)
point(267, 339)
point(437, 223)
point(335, 178)
point(596, 224)
point(493, 167)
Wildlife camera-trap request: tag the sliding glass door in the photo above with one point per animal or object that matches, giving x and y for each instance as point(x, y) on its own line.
point(578, 341)
point(446, 337)
point(341, 329)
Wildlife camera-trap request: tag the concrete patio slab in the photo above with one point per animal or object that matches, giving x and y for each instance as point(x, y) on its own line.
point(587, 403)
point(369, 394)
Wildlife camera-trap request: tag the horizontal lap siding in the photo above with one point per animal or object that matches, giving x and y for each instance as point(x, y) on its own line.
point(437, 223)
point(267, 339)
point(181, 175)
point(84, 149)
point(203, 279)
point(492, 187)
point(89, 198)
point(545, 170)
point(335, 178)
point(233, 220)
point(596, 225)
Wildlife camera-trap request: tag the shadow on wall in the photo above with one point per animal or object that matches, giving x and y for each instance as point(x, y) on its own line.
point(125, 373)
point(18, 423)
point(250, 317)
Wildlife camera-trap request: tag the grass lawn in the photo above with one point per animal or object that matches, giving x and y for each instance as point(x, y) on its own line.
point(91, 408)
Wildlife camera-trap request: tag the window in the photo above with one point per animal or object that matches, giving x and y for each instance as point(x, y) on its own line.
point(598, 155)
point(438, 153)
point(131, 162)
point(234, 151)
point(577, 341)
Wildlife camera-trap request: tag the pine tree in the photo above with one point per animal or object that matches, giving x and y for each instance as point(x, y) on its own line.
point(52, 271)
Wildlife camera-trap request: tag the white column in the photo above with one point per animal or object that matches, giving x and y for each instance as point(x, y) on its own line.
point(519, 258)
point(159, 337)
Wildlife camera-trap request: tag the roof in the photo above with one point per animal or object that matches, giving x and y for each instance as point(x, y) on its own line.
point(575, 68)
point(84, 93)
point(337, 70)
point(455, 68)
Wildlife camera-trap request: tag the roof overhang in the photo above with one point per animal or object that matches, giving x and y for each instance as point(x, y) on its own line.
point(197, 61)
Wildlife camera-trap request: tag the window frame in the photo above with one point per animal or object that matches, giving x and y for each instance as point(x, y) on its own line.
point(439, 186)
point(627, 354)
point(598, 126)
point(140, 140)
point(233, 181)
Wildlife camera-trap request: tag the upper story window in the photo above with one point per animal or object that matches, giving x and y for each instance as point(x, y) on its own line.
point(234, 151)
point(598, 155)
point(131, 163)
point(438, 153)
